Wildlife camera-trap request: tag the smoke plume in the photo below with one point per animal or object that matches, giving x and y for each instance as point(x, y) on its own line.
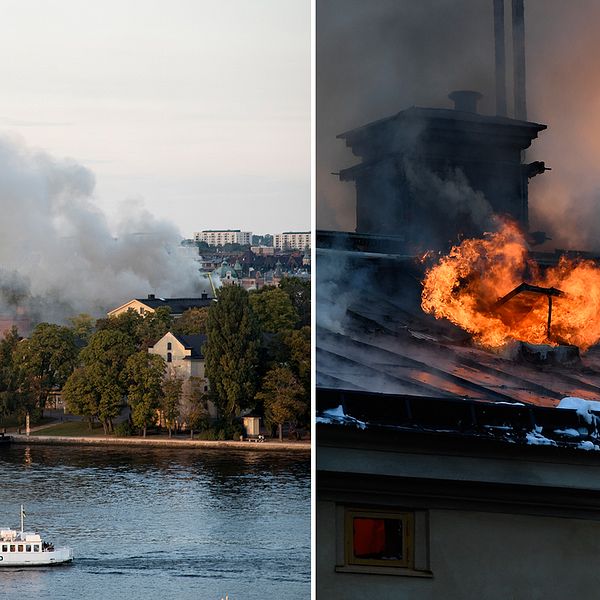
point(377, 58)
point(58, 254)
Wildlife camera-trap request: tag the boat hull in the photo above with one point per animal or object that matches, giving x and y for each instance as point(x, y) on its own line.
point(60, 556)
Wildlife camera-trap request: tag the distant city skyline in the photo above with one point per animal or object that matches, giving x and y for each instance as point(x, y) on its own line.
point(197, 111)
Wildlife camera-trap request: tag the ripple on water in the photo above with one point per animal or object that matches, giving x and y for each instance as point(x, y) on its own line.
point(146, 522)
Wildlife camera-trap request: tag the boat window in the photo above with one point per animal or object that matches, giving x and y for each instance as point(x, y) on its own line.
point(12, 547)
point(20, 548)
point(4, 547)
point(28, 548)
point(36, 547)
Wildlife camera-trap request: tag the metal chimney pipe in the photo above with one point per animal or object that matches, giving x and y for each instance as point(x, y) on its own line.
point(518, 29)
point(499, 53)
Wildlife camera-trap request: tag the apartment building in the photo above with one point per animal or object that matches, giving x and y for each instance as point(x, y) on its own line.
point(292, 240)
point(220, 237)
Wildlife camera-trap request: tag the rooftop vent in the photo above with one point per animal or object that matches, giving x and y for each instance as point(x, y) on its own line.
point(465, 100)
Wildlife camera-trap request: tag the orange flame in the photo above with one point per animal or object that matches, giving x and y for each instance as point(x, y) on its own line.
point(465, 285)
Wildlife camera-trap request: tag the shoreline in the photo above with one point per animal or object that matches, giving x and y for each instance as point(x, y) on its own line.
point(157, 443)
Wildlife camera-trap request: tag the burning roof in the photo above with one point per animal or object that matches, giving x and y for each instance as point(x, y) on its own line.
point(383, 346)
point(479, 287)
point(380, 347)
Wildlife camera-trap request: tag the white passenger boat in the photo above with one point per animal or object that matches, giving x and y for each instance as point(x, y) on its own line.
point(27, 549)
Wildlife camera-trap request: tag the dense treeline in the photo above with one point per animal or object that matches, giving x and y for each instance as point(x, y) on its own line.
point(257, 359)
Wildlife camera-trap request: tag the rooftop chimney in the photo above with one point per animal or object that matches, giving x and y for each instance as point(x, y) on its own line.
point(465, 100)
point(500, 58)
point(518, 28)
point(151, 296)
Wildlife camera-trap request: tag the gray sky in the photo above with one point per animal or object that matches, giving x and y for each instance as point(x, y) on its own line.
point(201, 109)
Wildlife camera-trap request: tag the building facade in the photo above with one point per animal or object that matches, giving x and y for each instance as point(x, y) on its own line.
point(425, 515)
point(184, 358)
point(177, 306)
point(292, 240)
point(263, 250)
point(220, 237)
point(227, 274)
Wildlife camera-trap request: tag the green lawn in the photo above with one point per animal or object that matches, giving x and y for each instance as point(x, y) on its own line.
point(80, 429)
point(72, 429)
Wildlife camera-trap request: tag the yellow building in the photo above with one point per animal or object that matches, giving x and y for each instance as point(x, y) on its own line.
point(184, 358)
point(178, 306)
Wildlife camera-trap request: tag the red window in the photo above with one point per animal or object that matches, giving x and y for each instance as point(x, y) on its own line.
point(379, 538)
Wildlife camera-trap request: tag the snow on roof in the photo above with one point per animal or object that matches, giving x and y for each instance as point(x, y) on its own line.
point(336, 415)
point(574, 426)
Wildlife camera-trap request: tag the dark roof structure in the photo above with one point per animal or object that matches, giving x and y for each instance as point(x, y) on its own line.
point(448, 122)
point(431, 174)
point(193, 343)
point(177, 305)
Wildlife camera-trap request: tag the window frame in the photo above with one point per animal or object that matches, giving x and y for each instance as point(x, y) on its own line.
point(408, 536)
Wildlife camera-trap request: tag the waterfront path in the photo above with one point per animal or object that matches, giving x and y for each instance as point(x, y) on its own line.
point(158, 442)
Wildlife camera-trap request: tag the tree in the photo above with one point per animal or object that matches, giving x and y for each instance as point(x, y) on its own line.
point(109, 348)
point(82, 326)
point(127, 322)
point(194, 409)
point(192, 322)
point(282, 395)
point(145, 374)
point(298, 343)
point(9, 380)
point(232, 351)
point(105, 357)
point(231, 247)
point(144, 331)
point(298, 291)
point(273, 309)
point(153, 326)
point(45, 361)
point(172, 389)
point(82, 396)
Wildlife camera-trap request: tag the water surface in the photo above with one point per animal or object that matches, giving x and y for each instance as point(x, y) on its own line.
point(161, 523)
